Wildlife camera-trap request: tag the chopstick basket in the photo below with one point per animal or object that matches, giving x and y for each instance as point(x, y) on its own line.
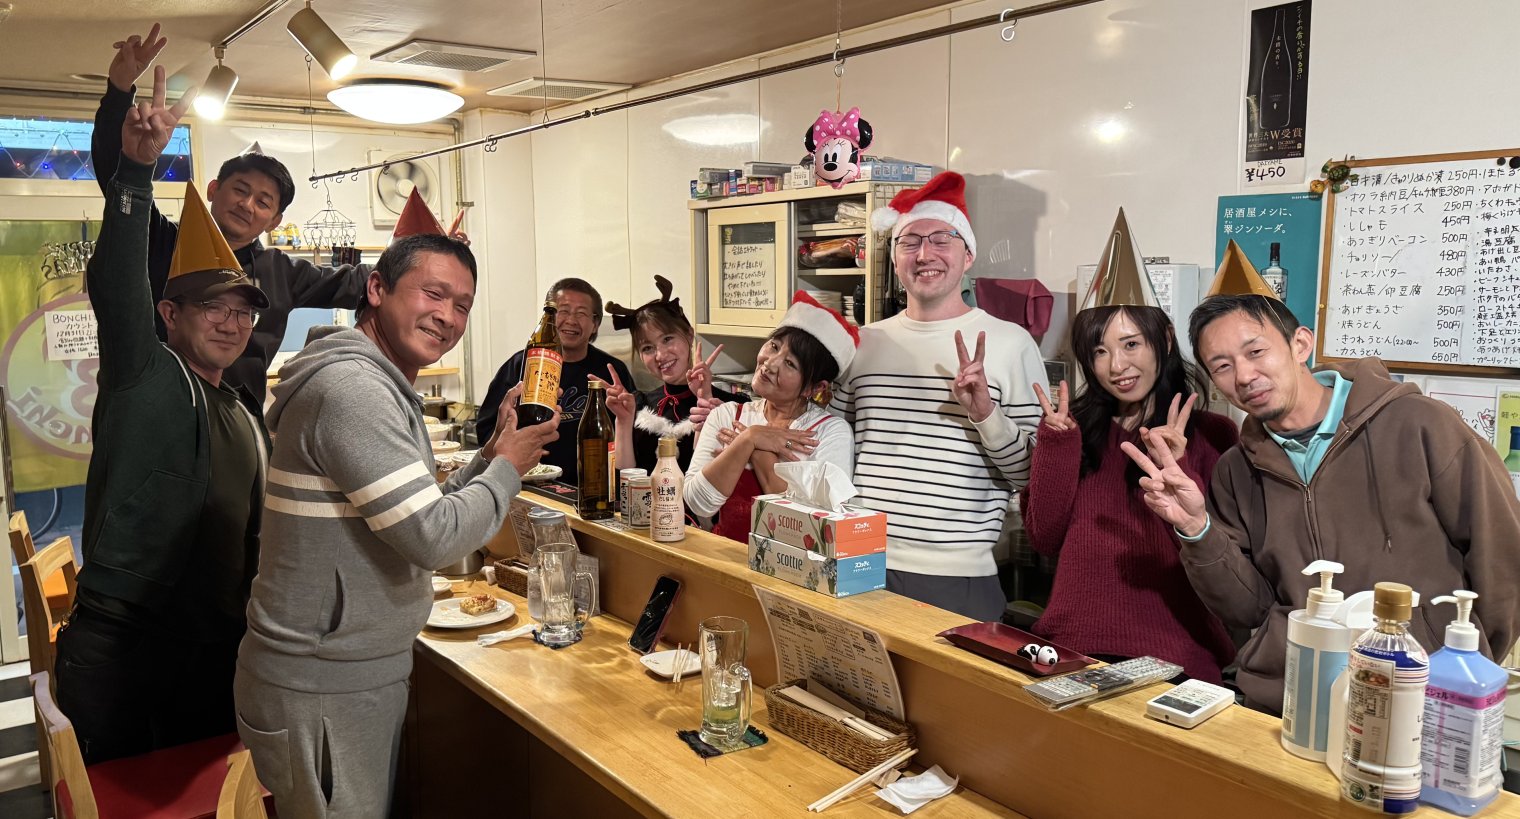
point(833, 739)
point(512, 577)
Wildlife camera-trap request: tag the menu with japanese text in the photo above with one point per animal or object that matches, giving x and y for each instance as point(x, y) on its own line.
point(811, 644)
point(1422, 264)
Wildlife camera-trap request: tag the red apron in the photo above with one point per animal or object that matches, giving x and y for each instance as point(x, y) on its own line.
point(733, 518)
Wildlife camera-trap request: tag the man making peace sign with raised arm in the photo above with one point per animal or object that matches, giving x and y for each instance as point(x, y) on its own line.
point(941, 441)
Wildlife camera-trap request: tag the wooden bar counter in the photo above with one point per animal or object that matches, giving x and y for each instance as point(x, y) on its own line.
point(589, 729)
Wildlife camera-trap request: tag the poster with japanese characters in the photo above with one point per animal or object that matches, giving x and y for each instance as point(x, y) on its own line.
point(849, 659)
point(1277, 94)
point(1291, 221)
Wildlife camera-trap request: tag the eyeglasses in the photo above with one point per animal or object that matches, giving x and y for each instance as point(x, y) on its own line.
point(911, 242)
point(217, 312)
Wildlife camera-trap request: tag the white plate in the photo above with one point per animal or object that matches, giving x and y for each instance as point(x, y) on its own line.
point(446, 614)
point(442, 584)
point(548, 472)
point(663, 663)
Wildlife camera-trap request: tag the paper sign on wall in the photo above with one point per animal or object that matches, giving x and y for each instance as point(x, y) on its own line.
point(1277, 95)
point(748, 274)
point(1476, 401)
point(71, 335)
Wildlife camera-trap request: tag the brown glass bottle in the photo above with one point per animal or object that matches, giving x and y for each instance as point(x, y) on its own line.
point(596, 430)
point(541, 369)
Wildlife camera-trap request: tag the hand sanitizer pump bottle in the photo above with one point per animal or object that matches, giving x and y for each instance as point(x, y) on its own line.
point(1318, 649)
point(1464, 719)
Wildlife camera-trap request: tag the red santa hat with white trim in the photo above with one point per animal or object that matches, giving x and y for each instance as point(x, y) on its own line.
point(943, 198)
point(838, 336)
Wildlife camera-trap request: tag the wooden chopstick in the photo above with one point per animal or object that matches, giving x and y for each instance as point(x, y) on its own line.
point(849, 787)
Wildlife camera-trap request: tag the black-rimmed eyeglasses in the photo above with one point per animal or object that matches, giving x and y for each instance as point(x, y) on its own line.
point(217, 312)
point(939, 239)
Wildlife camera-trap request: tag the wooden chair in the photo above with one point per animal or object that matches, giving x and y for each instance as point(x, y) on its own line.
point(42, 620)
point(242, 795)
point(22, 548)
point(182, 782)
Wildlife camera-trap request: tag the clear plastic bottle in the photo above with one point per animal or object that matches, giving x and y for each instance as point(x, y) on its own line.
point(1385, 708)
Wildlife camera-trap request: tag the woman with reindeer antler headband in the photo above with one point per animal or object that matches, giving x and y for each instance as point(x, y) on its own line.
point(662, 339)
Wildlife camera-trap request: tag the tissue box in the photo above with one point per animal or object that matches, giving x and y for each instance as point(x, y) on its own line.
point(850, 533)
point(836, 577)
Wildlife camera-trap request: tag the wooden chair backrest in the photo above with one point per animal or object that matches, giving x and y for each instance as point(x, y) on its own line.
point(242, 797)
point(22, 547)
point(72, 796)
point(58, 556)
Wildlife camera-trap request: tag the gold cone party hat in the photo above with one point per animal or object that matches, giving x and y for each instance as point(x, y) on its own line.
point(203, 264)
point(1121, 278)
point(416, 218)
point(1238, 277)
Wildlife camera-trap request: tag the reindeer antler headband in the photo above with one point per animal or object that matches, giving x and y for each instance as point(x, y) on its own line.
point(624, 318)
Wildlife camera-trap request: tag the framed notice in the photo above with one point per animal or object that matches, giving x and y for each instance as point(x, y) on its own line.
point(748, 265)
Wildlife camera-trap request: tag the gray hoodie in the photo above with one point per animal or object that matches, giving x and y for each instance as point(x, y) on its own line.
point(354, 522)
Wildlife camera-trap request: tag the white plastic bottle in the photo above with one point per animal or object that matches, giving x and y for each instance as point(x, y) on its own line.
point(1464, 719)
point(667, 522)
point(1385, 706)
point(1318, 650)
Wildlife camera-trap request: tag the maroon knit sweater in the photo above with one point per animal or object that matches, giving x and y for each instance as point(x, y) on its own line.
point(1120, 587)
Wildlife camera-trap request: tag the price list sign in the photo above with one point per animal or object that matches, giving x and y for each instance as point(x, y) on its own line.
point(1422, 267)
point(812, 644)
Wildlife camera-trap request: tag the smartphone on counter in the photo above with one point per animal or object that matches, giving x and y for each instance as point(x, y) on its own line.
point(646, 633)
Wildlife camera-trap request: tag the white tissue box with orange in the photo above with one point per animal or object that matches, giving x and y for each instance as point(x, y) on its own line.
point(851, 532)
point(836, 577)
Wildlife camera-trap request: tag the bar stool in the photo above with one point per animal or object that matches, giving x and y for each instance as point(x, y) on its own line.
point(56, 561)
point(22, 548)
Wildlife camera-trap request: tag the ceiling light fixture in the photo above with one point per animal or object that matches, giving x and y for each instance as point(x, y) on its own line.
point(396, 101)
point(211, 102)
point(319, 40)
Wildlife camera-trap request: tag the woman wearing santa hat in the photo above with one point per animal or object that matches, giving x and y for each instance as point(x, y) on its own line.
point(740, 445)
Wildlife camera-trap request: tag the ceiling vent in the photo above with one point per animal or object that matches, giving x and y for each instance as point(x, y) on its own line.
point(558, 90)
point(450, 56)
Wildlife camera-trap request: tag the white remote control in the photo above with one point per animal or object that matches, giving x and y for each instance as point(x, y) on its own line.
point(1190, 703)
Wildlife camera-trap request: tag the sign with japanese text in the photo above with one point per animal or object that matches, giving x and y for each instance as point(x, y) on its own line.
point(1277, 95)
point(71, 335)
point(1289, 220)
point(748, 275)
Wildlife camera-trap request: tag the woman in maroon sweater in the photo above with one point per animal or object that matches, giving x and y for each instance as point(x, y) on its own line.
point(1120, 589)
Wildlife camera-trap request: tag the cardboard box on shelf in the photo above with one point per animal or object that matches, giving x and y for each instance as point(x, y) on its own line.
point(836, 577)
point(855, 531)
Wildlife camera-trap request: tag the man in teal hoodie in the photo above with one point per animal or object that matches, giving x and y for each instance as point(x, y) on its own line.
point(354, 523)
point(175, 484)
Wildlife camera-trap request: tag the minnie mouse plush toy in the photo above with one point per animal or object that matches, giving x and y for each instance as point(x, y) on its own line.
point(835, 141)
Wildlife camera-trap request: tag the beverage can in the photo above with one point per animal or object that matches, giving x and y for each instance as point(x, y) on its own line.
point(624, 476)
point(640, 503)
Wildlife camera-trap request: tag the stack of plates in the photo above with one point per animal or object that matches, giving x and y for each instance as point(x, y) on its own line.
point(828, 298)
point(849, 310)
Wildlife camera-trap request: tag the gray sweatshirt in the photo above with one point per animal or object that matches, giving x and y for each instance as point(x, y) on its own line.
point(354, 522)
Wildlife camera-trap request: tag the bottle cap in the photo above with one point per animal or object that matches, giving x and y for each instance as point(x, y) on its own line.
point(1461, 635)
point(593, 385)
point(667, 448)
point(1391, 601)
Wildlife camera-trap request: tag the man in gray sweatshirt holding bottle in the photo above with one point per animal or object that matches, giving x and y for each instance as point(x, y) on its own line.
point(354, 523)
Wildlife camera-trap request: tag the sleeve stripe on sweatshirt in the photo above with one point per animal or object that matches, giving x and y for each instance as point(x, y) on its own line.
point(310, 509)
point(406, 508)
point(298, 481)
point(390, 483)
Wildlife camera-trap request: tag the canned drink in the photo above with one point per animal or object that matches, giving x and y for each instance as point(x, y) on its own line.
point(624, 475)
point(640, 503)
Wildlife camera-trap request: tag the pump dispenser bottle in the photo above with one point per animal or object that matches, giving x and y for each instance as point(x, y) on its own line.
point(1464, 719)
point(1318, 649)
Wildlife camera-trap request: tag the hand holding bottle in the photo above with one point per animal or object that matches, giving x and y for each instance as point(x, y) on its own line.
point(524, 447)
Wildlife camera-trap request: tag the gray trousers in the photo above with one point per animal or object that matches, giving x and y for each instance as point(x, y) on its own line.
point(980, 598)
point(322, 756)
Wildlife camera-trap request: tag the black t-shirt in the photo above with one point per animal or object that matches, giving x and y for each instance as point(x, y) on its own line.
point(572, 403)
point(654, 421)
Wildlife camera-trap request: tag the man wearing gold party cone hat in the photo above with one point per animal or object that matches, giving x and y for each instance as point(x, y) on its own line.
point(1339, 462)
point(176, 481)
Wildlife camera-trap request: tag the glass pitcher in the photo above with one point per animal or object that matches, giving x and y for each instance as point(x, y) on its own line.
point(563, 618)
point(548, 526)
point(726, 683)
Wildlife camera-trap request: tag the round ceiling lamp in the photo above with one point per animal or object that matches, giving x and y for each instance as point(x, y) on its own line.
point(396, 101)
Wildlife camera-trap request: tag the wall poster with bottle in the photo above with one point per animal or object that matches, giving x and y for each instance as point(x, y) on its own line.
point(1277, 95)
point(1279, 233)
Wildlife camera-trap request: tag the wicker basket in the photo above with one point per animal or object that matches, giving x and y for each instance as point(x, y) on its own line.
point(512, 577)
point(844, 745)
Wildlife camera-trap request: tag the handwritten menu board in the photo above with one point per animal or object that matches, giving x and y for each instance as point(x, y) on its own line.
point(812, 644)
point(748, 274)
point(1421, 263)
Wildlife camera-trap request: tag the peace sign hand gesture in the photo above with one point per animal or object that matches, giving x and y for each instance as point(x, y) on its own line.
point(1174, 433)
point(1058, 419)
point(133, 56)
point(148, 126)
point(1169, 492)
point(699, 377)
point(620, 401)
point(970, 384)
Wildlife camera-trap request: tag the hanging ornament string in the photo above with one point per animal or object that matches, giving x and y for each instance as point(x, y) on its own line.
point(838, 61)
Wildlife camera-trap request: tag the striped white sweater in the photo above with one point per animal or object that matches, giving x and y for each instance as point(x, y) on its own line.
point(354, 523)
point(944, 482)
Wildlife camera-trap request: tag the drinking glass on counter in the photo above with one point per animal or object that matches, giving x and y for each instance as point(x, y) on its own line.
point(726, 684)
point(562, 618)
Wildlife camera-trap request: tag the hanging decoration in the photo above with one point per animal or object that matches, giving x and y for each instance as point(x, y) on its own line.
point(836, 139)
point(329, 228)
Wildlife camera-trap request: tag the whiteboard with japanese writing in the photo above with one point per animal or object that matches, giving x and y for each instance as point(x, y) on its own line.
point(1420, 265)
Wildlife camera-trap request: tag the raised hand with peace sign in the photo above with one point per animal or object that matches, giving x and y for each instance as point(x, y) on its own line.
point(970, 384)
point(620, 402)
point(133, 56)
point(1058, 419)
point(699, 377)
point(1173, 434)
point(146, 132)
point(1169, 492)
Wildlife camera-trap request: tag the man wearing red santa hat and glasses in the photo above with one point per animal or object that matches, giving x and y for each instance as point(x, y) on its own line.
point(944, 414)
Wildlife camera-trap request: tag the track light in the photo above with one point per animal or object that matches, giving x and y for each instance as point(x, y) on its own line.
point(211, 102)
point(321, 43)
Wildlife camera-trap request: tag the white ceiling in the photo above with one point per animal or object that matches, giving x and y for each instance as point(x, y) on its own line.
point(620, 41)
